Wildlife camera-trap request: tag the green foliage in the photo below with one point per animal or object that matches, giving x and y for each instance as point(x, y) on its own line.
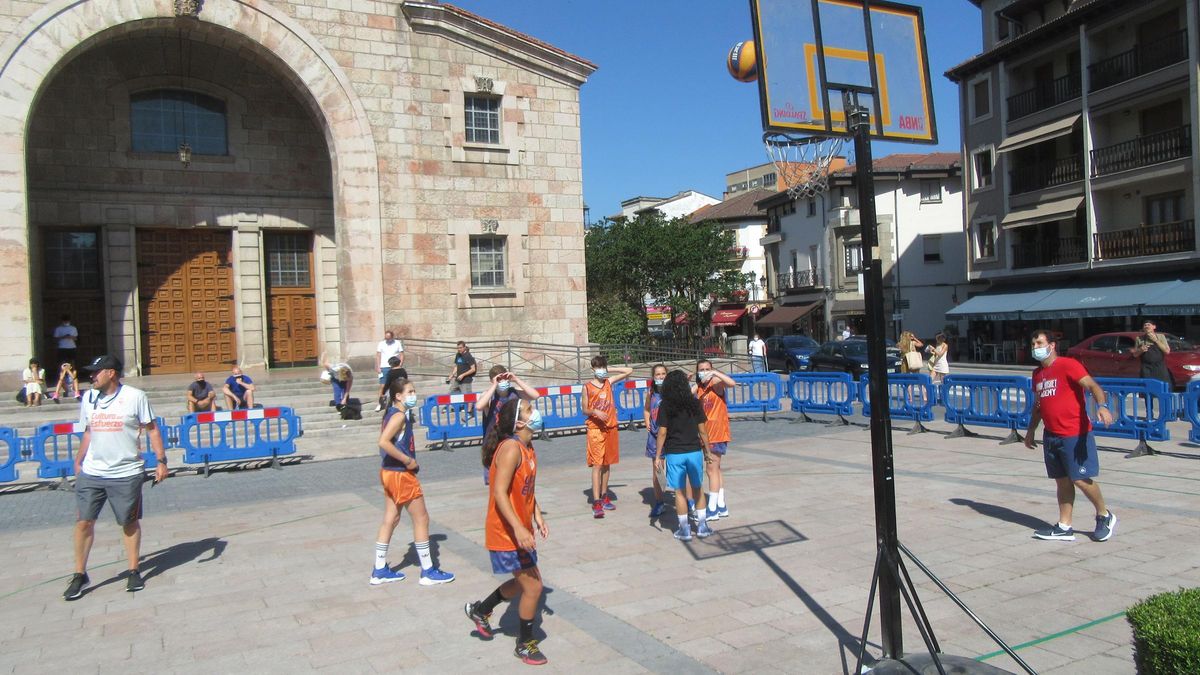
point(614, 323)
point(1166, 632)
point(674, 260)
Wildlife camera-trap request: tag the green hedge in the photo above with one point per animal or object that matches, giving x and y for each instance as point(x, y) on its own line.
point(1166, 633)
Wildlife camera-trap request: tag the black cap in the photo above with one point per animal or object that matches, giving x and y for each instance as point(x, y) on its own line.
point(103, 362)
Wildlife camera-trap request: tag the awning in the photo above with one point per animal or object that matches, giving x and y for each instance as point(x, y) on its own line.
point(787, 315)
point(1037, 135)
point(1084, 302)
point(849, 307)
point(998, 306)
point(682, 317)
point(727, 317)
point(1180, 300)
point(1046, 212)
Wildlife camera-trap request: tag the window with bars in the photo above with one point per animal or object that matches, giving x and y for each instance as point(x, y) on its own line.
point(288, 261)
point(161, 120)
point(72, 260)
point(854, 259)
point(488, 261)
point(482, 117)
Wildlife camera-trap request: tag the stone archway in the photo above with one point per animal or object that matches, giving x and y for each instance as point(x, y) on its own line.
point(28, 59)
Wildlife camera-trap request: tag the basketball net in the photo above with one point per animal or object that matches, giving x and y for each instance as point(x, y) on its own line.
point(803, 163)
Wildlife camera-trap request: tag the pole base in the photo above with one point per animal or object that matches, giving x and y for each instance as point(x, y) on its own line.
point(922, 664)
point(1143, 449)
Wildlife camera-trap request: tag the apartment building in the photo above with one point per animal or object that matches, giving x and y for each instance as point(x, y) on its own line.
point(1080, 208)
point(814, 256)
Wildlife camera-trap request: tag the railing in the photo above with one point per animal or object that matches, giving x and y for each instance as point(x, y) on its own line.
point(1140, 60)
point(1143, 151)
point(1045, 95)
point(1163, 238)
point(794, 281)
point(1046, 174)
point(1062, 251)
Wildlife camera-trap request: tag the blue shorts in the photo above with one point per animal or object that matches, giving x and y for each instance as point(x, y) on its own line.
point(685, 467)
point(383, 371)
point(652, 445)
point(1070, 456)
point(508, 562)
point(719, 448)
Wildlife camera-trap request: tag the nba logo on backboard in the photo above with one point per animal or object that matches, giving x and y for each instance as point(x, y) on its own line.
point(810, 51)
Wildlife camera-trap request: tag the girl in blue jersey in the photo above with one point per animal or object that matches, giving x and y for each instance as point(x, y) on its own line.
point(650, 417)
point(398, 474)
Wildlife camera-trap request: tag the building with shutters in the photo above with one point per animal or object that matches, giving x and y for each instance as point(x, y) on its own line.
point(268, 182)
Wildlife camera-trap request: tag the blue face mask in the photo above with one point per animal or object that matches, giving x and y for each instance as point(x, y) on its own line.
point(1041, 353)
point(503, 386)
point(601, 373)
point(658, 381)
point(410, 401)
point(535, 422)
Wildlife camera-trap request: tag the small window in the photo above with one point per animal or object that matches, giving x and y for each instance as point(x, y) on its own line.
point(933, 247)
point(487, 261)
point(288, 261)
point(982, 169)
point(755, 183)
point(854, 259)
point(1164, 208)
point(812, 207)
point(985, 239)
point(931, 191)
point(162, 120)
point(72, 260)
point(981, 99)
point(769, 179)
point(482, 114)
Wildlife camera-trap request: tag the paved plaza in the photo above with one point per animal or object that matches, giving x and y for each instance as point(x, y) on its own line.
point(266, 571)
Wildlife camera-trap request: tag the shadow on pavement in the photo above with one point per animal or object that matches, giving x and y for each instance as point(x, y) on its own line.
point(153, 564)
point(412, 560)
point(1003, 513)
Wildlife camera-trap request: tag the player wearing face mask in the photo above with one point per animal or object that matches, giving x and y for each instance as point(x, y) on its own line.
point(603, 450)
point(650, 416)
point(710, 389)
point(398, 474)
point(504, 387)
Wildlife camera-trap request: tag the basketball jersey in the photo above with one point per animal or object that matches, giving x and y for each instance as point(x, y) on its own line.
point(715, 411)
point(652, 428)
point(600, 398)
point(498, 534)
point(494, 406)
point(403, 441)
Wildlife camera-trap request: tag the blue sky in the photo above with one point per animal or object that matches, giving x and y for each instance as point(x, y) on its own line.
point(661, 114)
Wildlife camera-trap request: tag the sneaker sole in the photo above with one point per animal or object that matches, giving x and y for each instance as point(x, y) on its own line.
point(1048, 538)
point(434, 582)
point(704, 535)
point(77, 596)
point(723, 514)
point(530, 663)
point(483, 633)
point(687, 538)
point(379, 582)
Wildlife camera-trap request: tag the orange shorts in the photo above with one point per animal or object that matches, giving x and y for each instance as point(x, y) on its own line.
point(603, 446)
point(400, 486)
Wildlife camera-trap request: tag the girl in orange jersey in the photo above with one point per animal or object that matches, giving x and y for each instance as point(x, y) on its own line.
point(710, 389)
point(512, 515)
point(603, 435)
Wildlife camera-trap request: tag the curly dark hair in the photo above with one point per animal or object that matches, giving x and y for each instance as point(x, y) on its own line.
point(502, 429)
point(677, 395)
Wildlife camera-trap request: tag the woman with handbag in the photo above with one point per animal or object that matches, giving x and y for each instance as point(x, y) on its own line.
point(911, 360)
point(939, 359)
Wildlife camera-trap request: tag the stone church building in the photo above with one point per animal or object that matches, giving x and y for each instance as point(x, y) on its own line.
point(202, 183)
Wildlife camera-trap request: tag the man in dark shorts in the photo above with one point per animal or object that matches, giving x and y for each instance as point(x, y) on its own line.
point(1067, 443)
point(200, 395)
point(109, 467)
point(462, 374)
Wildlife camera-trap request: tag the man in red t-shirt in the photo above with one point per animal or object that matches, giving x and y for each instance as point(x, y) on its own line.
point(1070, 450)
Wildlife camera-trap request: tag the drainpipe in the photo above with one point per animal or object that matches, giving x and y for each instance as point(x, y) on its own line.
point(1089, 208)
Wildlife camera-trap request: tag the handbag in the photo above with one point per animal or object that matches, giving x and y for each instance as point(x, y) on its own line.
point(914, 361)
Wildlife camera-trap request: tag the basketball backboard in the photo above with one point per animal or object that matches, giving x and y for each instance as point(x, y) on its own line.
point(810, 51)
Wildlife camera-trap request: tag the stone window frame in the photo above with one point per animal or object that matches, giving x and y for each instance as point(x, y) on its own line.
point(990, 150)
point(513, 294)
point(236, 136)
point(198, 148)
point(511, 148)
point(977, 240)
point(504, 270)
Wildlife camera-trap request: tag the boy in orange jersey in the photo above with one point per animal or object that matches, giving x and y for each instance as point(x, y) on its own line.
point(603, 441)
point(710, 389)
point(513, 514)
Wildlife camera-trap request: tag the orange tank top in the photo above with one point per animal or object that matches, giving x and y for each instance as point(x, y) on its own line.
point(498, 534)
point(715, 410)
point(600, 398)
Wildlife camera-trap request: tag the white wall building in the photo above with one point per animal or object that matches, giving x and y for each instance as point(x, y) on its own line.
point(681, 204)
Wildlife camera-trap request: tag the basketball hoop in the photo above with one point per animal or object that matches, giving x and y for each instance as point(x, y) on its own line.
point(802, 163)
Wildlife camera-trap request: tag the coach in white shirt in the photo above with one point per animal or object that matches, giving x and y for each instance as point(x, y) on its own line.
point(386, 349)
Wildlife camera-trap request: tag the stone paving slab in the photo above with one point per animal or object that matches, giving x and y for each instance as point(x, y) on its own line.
point(277, 583)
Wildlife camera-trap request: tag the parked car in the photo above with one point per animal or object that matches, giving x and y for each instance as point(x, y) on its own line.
point(846, 356)
point(892, 348)
point(786, 353)
point(1108, 355)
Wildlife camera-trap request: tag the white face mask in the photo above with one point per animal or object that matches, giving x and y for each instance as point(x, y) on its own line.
point(1041, 353)
point(704, 375)
point(601, 373)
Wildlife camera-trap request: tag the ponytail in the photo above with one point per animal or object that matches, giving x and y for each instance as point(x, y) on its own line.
point(502, 429)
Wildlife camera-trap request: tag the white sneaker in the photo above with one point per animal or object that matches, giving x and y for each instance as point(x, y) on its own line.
point(378, 407)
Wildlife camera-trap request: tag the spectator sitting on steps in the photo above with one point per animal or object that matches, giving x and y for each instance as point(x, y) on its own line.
point(239, 390)
point(200, 395)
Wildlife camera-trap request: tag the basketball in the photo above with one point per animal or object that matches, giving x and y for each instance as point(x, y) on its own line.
point(742, 62)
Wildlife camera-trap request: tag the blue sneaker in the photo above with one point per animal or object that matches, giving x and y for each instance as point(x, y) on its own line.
point(711, 514)
point(433, 576)
point(657, 509)
point(723, 511)
point(385, 575)
point(684, 533)
point(703, 530)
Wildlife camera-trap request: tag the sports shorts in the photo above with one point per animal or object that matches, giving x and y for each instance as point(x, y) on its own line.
point(124, 496)
point(603, 446)
point(719, 448)
point(684, 468)
point(400, 486)
point(1070, 456)
point(507, 562)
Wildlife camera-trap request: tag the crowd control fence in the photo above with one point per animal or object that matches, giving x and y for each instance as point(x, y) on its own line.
point(910, 397)
point(1140, 410)
point(822, 394)
point(1003, 401)
point(236, 435)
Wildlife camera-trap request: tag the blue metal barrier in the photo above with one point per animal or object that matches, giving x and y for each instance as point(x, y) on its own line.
point(238, 435)
point(631, 401)
point(755, 393)
point(910, 397)
point(53, 446)
point(823, 393)
point(1004, 401)
point(1191, 409)
point(12, 449)
point(445, 418)
point(1140, 408)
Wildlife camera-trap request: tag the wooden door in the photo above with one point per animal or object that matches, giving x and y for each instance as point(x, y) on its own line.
point(185, 293)
point(291, 300)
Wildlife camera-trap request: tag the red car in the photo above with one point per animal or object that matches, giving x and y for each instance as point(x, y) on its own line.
point(1108, 355)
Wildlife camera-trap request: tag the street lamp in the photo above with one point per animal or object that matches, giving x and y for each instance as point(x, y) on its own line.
point(762, 281)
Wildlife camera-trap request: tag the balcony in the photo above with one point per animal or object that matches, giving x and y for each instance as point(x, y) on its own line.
point(1042, 175)
point(1045, 95)
point(1143, 151)
point(1160, 239)
point(1138, 61)
point(803, 280)
point(739, 253)
point(1063, 251)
